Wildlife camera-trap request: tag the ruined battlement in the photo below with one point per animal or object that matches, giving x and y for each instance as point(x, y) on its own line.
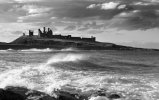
point(49, 34)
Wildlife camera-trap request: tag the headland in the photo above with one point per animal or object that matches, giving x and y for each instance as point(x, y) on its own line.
point(46, 39)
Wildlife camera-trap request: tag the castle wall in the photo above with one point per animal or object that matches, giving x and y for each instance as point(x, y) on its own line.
point(31, 33)
point(49, 34)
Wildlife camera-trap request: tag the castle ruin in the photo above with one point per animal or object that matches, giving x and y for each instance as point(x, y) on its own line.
point(49, 34)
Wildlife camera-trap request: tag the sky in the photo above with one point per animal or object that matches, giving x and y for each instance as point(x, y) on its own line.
point(126, 22)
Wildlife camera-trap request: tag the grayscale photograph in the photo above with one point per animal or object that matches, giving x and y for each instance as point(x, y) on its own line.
point(79, 49)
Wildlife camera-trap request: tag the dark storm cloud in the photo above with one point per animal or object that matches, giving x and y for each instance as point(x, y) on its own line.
point(146, 18)
point(141, 20)
point(80, 11)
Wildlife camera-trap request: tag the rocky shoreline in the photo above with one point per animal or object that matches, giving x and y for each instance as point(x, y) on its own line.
point(22, 93)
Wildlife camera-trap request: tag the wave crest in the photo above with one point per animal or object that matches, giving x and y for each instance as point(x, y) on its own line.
point(37, 50)
point(65, 58)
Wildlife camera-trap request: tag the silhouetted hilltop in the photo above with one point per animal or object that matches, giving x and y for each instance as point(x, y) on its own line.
point(46, 39)
point(36, 41)
point(2, 42)
point(19, 40)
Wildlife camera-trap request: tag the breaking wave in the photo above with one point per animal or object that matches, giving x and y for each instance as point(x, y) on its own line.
point(65, 58)
point(37, 50)
point(69, 49)
point(6, 50)
point(43, 77)
point(52, 74)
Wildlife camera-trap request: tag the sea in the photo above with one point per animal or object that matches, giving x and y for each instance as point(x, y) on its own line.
point(132, 74)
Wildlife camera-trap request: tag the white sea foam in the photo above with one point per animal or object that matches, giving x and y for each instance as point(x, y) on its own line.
point(46, 77)
point(28, 76)
point(29, 50)
point(7, 50)
point(69, 49)
point(46, 50)
point(41, 77)
point(65, 58)
point(37, 50)
point(99, 98)
point(3, 50)
point(40, 50)
point(13, 77)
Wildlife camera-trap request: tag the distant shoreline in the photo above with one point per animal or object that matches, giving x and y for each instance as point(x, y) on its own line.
point(29, 42)
point(23, 46)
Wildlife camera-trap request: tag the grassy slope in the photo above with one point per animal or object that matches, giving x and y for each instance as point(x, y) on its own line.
point(22, 39)
point(42, 42)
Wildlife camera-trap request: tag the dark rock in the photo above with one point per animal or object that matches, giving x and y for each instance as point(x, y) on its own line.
point(83, 97)
point(100, 93)
point(9, 95)
point(67, 96)
point(19, 90)
point(28, 94)
point(114, 96)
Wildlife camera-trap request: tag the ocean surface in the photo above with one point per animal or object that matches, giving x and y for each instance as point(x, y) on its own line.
point(133, 74)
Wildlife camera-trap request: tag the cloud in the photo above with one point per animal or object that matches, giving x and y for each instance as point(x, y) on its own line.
point(107, 6)
point(95, 31)
point(17, 32)
point(6, 15)
point(83, 29)
point(142, 3)
point(82, 15)
point(136, 15)
point(21, 1)
point(110, 5)
point(136, 20)
point(123, 6)
point(34, 18)
point(92, 6)
point(154, 1)
point(146, 3)
point(35, 9)
point(34, 13)
point(104, 6)
point(94, 25)
point(6, 1)
point(70, 28)
point(25, 1)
